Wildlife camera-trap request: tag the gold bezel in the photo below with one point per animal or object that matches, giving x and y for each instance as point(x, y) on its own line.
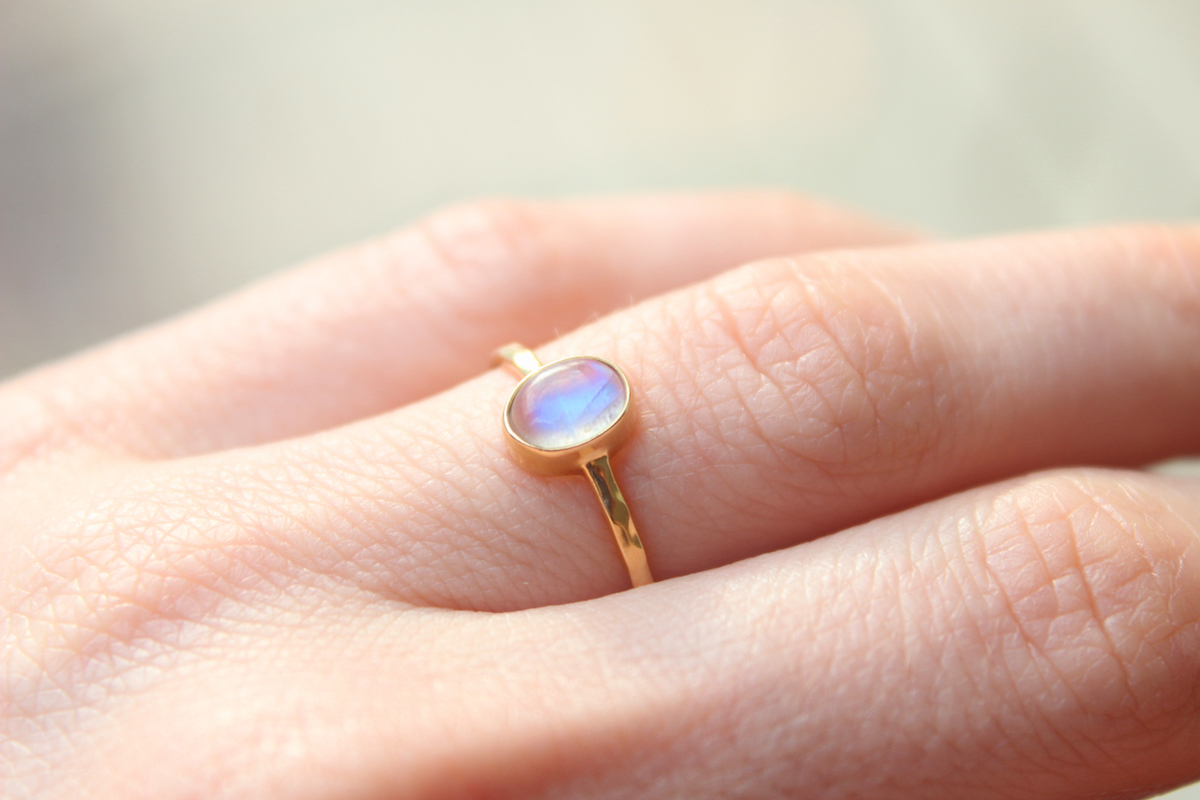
point(571, 459)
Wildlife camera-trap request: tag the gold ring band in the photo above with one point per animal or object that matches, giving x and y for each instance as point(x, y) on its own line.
point(568, 416)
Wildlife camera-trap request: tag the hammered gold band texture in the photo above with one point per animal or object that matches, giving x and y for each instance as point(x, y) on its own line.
point(568, 417)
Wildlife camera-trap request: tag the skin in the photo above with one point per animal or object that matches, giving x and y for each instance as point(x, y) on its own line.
point(276, 548)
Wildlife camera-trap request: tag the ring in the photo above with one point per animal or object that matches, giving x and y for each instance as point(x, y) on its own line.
point(570, 415)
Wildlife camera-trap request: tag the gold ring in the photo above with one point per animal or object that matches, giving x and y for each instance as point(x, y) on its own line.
point(568, 416)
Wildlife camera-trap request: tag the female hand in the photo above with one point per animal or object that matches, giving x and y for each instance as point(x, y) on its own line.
point(277, 548)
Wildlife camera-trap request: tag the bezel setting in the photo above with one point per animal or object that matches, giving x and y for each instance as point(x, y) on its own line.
point(569, 460)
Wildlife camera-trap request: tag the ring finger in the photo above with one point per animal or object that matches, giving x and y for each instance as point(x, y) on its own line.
point(779, 402)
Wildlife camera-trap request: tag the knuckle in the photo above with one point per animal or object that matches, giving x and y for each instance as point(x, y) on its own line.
point(484, 235)
point(31, 430)
point(1172, 248)
point(1095, 580)
point(106, 588)
point(1155, 270)
point(1170, 257)
point(41, 428)
point(825, 359)
point(482, 260)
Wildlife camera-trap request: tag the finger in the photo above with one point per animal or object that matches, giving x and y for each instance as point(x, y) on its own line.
point(369, 329)
point(1039, 639)
point(778, 402)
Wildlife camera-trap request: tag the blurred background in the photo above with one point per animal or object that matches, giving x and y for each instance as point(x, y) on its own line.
point(153, 155)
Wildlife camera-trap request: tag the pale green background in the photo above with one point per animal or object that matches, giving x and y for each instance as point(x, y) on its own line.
point(154, 154)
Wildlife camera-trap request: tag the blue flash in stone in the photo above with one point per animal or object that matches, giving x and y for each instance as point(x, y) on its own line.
point(568, 403)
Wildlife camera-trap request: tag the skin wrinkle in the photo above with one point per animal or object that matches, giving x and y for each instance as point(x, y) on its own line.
point(1100, 752)
point(485, 538)
point(732, 327)
point(862, 625)
point(1041, 658)
point(531, 550)
point(145, 381)
point(1096, 510)
point(336, 545)
point(699, 420)
point(749, 354)
point(1071, 681)
point(146, 600)
point(1011, 725)
point(72, 703)
point(821, 319)
point(733, 453)
point(909, 335)
point(1103, 510)
point(424, 472)
point(944, 595)
point(154, 666)
point(871, 335)
point(983, 638)
point(269, 513)
point(1150, 567)
point(770, 302)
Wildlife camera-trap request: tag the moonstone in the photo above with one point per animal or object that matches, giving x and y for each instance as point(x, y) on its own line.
point(567, 403)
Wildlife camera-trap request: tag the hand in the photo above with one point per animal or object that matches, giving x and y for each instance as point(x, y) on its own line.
point(277, 548)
